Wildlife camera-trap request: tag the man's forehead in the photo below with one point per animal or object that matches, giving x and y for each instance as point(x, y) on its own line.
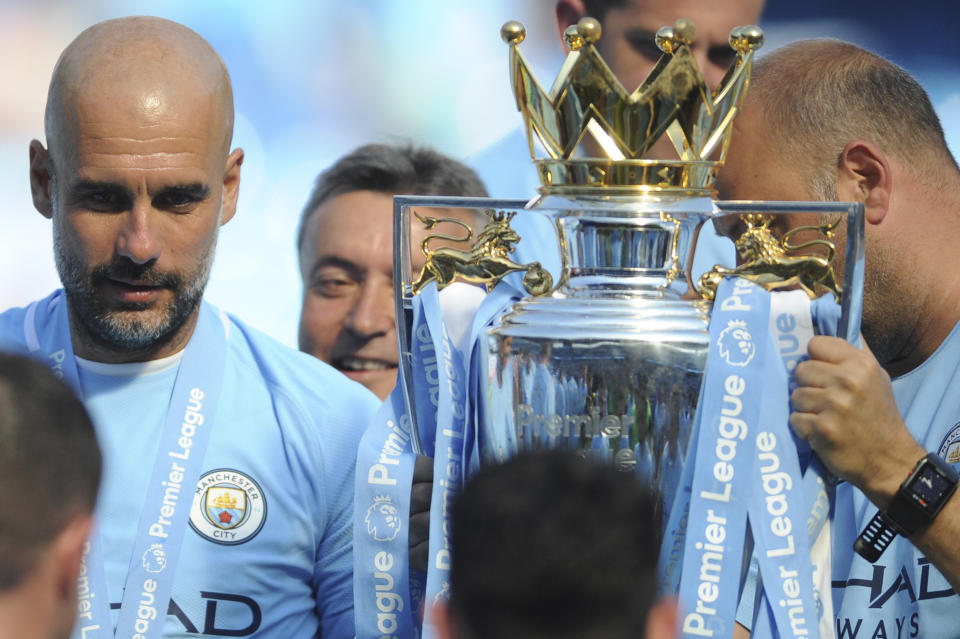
point(140, 72)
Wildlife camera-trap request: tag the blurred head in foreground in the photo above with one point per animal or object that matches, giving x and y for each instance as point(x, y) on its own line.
point(547, 545)
point(49, 474)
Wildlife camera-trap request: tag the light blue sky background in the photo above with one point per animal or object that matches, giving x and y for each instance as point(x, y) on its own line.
point(312, 80)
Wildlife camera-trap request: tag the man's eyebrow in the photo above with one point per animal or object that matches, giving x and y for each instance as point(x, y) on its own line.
point(196, 190)
point(352, 269)
point(84, 187)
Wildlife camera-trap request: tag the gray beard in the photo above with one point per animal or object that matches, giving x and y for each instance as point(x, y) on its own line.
point(125, 329)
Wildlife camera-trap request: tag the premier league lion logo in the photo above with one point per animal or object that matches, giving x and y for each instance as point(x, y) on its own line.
point(736, 344)
point(154, 559)
point(383, 521)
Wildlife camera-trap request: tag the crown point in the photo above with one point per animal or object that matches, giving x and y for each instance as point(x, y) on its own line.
point(753, 36)
point(572, 38)
point(747, 38)
point(513, 32)
point(589, 29)
point(666, 39)
point(684, 31)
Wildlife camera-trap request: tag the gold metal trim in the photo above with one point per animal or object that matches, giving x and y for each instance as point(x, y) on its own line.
point(486, 262)
point(767, 261)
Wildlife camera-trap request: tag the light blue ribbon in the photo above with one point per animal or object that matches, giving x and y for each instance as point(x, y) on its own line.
point(778, 516)
point(815, 494)
point(448, 462)
point(383, 605)
point(727, 419)
point(189, 420)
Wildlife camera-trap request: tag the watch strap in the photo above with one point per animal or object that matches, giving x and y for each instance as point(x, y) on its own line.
point(874, 539)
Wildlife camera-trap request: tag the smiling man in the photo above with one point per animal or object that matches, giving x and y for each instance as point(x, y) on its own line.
point(226, 503)
point(345, 243)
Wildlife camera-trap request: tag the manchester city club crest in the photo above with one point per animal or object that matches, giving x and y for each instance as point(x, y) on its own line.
point(950, 446)
point(228, 508)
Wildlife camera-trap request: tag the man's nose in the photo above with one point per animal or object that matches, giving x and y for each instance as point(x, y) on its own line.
point(138, 239)
point(373, 310)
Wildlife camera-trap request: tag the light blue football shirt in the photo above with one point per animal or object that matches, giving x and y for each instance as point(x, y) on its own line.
point(269, 549)
point(901, 595)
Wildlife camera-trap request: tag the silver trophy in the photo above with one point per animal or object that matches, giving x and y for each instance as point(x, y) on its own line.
point(609, 363)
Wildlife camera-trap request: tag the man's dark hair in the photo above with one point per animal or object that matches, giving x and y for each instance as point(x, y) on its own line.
point(548, 545)
point(393, 170)
point(49, 463)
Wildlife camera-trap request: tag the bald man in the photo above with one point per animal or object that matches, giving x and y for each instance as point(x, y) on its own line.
point(825, 120)
point(628, 46)
point(226, 506)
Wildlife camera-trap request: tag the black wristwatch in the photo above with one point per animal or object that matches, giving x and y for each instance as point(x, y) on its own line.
point(920, 497)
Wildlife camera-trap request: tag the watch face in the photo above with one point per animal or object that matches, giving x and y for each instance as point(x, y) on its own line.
point(929, 487)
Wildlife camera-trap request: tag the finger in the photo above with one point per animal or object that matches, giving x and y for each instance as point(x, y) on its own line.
point(815, 373)
point(812, 400)
point(423, 469)
point(803, 425)
point(830, 349)
point(866, 349)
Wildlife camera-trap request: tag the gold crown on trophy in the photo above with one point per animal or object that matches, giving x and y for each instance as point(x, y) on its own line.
point(588, 102)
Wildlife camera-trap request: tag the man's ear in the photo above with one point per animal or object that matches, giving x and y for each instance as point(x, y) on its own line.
point(231, 185)
point(864, 175)
point(568, 13)
point(662, 619)
point(68, 548)
point(41, 179)
point(66, 556)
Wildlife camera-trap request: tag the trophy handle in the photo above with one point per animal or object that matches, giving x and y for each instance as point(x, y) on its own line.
point(776, 264)
point(485, 262)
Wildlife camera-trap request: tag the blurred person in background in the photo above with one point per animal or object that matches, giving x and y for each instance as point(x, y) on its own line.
point(345, 246)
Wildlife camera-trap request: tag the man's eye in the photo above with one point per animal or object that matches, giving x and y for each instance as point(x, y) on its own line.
point(102, 201)
point(175, 201)
point(722, 57)
point(334, 286)
point(643, 43)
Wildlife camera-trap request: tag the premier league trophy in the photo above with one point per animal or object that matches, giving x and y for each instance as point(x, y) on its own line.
point(612, 361)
